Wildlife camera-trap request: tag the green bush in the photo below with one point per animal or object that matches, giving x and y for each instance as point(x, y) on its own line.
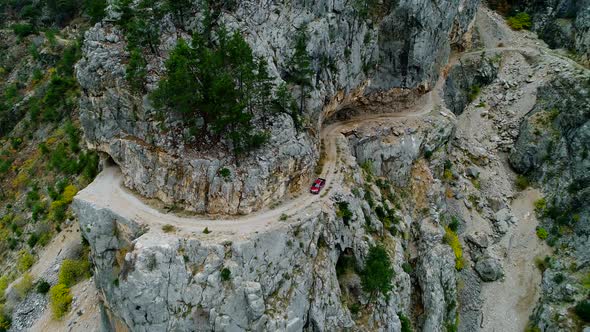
point(454, 224)
point(23, 30)
point(60, 300)
point(25, 260)
point(95, 9)
point(343, 212)
point(542, 233)
point(4, 282)
point(452, 239)
point(406, 323)
point(377, 274)
point(473, 92)
point(225, 173)
point(582, 309)
point(225, 274)
point(520, 21)
point(72, 271)
point(168, 228)
point(24, 285)
point(540, 205)
point(43, 286)
point(136, 70)
point(5, 319)
point(522, 182)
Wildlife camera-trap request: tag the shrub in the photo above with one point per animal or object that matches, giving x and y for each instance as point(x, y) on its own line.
point(225, 274)
point(454, 224)
point(25, 260)
point(406, 323)
point(540, 205)
point(542, 263)
point(559, 278)
point(136, 71)
point(377, 274)
point(24, 285)
point(225, 173)
point(43, 286)
point(23, 30)
point(5, 319)
point(72, 271)
point(520, 21)
point(582, 309)
point(206, 230)
point(407, 267)
point(448, 175)
point(522, 182)
point(95, 9)
point(452, 239)
point(4, 282)
point(542, 233)
point(473, 92)
point(168, 228)
point(60, 300)
point(343, 212)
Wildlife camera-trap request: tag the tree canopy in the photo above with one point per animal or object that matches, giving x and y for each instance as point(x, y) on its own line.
point(216, 84)
point(377, 274)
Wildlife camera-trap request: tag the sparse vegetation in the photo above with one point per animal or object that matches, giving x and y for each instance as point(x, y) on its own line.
point(542, 263)
point(473, 92)
point(542, 233)
point(25, 260)
point(522, 182)
point(24, 285)
point(225, 274)
point(168, 228)
point(344, 212)
point(520, 21)
point(452, 239)
point(406, 323)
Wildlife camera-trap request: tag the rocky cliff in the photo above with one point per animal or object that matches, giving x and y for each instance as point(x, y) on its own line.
point(552, 149)
point(562, 23)
point(366, 50)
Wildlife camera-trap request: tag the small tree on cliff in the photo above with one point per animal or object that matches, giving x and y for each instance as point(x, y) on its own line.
point(300, 70)
point(377, 273)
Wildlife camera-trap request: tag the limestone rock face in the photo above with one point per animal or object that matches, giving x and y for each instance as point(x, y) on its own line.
point(281, 280)
point(552, 148)
point(403, 46)
point(562, 23)
point(466, 79)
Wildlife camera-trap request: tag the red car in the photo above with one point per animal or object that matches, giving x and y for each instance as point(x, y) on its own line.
point(317, 185)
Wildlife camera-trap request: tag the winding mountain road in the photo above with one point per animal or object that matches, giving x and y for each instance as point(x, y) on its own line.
point(108, 191)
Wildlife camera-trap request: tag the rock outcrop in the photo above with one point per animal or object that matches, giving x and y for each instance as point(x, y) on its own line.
point(281, 280)
point(397, 45)
point(562, 23)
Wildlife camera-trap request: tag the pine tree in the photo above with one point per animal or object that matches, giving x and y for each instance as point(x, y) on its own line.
point(300, 68)
point(217, 88)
